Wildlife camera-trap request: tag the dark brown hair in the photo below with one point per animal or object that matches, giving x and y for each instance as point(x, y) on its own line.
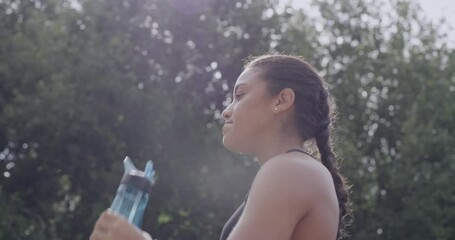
point(313, 113)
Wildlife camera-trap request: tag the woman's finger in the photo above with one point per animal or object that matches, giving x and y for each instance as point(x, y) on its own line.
point(105, 222)
point(99, 235)
point(101, 225)
point(110, 226)
point(109, 216)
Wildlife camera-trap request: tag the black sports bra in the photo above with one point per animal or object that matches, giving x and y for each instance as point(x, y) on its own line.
point(230, 224)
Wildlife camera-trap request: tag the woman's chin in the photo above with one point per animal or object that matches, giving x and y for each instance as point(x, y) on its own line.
point(231, 146)
point(227, 144)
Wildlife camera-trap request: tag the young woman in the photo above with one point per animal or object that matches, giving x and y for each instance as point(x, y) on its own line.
point(279, 104)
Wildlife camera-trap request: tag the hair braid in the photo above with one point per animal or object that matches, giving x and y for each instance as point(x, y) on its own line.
point(328, 159)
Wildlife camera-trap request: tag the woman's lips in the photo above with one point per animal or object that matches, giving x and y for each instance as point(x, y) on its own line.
point(226, 125)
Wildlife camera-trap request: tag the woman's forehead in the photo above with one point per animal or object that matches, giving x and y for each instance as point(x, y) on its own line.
point(248, 76)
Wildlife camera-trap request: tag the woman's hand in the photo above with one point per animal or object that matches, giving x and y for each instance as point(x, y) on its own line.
point(110, 226)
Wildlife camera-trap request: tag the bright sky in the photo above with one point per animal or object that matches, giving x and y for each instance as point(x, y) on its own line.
point(434, 9)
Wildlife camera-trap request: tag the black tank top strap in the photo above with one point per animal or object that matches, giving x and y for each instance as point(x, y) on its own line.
point(298, 150)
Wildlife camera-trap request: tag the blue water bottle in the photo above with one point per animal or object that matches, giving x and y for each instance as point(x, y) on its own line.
point(133, 193)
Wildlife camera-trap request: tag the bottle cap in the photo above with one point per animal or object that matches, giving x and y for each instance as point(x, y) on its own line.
point(137, 179)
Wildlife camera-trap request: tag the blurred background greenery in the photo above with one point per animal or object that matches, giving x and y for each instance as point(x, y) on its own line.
point(83, 83)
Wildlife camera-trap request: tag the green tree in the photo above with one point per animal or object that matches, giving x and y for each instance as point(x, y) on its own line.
point(81, 86)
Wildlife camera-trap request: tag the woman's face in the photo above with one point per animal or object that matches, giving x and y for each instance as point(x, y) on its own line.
point(250, 114)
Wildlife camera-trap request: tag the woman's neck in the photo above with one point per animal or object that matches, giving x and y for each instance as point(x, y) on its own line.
point(276, 145)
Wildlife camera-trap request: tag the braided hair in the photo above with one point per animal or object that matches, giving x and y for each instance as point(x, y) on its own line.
point(312, 115)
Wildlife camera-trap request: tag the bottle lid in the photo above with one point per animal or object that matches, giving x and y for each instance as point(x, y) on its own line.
point(137, 179)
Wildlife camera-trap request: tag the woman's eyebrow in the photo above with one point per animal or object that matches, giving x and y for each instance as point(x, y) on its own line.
point(237, 86)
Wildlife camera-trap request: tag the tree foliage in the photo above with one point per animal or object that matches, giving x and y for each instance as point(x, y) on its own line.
point(85, 83)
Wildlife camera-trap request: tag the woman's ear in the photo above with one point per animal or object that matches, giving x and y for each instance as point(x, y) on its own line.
point(284, 100)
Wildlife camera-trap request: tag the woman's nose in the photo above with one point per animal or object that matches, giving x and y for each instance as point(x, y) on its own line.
point(227, 113)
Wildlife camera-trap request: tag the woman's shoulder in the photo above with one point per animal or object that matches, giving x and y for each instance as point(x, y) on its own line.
point(297, 175)
point(296, 165)
point(286, 189)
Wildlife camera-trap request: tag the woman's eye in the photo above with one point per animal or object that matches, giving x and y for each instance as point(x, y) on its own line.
point(238, 95)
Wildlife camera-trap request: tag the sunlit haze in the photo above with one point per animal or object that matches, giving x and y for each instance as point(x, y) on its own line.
point(434, 9)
